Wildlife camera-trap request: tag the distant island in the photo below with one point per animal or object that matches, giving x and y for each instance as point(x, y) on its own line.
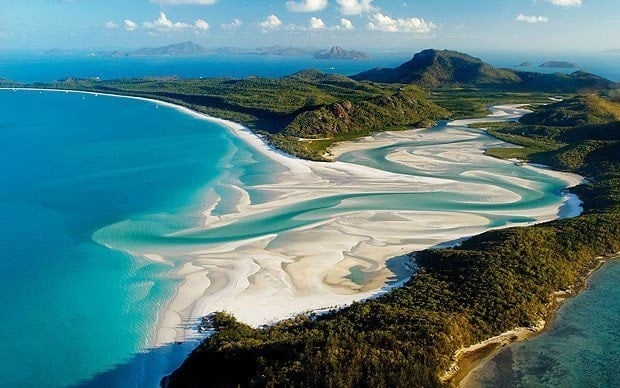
point(189, 48)
point(57, 51)
point(560, 65)
point(524, 64)
point(184, 48)
point(176, 49)
point(612, 51)
point(269, 50)
point(339, 53)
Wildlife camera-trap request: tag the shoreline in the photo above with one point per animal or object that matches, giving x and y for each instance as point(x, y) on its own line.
point(468, 359)
point(306, 269)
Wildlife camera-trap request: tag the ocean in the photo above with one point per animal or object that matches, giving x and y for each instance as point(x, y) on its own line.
point(580, 349)
point(84, 190)
point(37, 67)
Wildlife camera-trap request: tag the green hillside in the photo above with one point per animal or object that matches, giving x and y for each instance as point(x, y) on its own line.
point(436, 68)
point(302, 114)
point(581, 135)
point(445, 68)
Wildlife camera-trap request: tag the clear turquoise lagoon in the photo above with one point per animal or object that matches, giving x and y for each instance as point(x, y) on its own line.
point(72, 163)
point(581, 349)
point(82, 174)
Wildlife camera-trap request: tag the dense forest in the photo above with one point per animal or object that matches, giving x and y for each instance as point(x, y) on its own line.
point(489, 284)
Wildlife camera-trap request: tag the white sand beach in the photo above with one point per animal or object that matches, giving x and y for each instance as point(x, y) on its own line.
point(277, 276)
point(350, 255)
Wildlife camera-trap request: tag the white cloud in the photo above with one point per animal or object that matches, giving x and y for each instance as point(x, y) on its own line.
point(306, 5)
point(184, 2)
point(163, 24)
point(356, 7)
point(234, 25)
point(111, 24)
point(316, 23)
point(271, 22)
point(345, 24)
point(531, 19)
point(565, 3)
point(381, 22)
point(130, 25)
point(201, 26)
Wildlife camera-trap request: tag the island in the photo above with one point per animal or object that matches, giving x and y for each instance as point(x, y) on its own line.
point(276, 50)
point(524, 64)
point(422, 333)
point(57, 51)
point(560, 65)
point(339, 53)
point(190, 48)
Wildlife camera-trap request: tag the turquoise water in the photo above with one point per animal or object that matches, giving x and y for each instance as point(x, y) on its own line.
point(70, 165)
point(82, 172)
point(582, 348)
point(37, 67)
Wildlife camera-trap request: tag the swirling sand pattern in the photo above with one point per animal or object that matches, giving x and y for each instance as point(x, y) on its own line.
point(326, 234)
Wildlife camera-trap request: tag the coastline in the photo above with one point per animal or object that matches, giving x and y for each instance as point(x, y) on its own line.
point(314, 278)
point(469, 359)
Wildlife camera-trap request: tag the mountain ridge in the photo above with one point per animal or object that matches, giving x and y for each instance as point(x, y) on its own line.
point(337, 52)
point(447, 68)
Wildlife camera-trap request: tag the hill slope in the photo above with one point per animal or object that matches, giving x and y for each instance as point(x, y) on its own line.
point(433, 68)
point(445, 68)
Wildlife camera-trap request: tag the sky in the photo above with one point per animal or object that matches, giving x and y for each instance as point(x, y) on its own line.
point(374, 25)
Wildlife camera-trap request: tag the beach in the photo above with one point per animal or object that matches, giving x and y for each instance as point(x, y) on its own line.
point(347, 257)
point(358, 225)
point(476, 363)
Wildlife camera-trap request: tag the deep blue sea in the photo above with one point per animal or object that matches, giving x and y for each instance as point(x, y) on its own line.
point(38, 67)
point(75, 311)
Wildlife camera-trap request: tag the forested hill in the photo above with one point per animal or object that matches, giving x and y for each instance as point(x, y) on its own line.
point(446, 68)
point(492, 283)
point(302, 114)
point(581, 135)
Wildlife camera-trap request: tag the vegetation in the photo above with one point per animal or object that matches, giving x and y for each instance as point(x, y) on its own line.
point(291, 111)
point(445, 68)
point(491, 283)
point(473, 102)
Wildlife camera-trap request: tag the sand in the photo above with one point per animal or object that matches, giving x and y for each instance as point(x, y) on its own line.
point(267, 279)
point(350, 256)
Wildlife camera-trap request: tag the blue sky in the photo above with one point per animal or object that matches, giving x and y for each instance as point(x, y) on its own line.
point(534, 25)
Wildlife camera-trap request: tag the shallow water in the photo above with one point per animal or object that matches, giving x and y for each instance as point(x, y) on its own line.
point(82, 173)
point(580, 350)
